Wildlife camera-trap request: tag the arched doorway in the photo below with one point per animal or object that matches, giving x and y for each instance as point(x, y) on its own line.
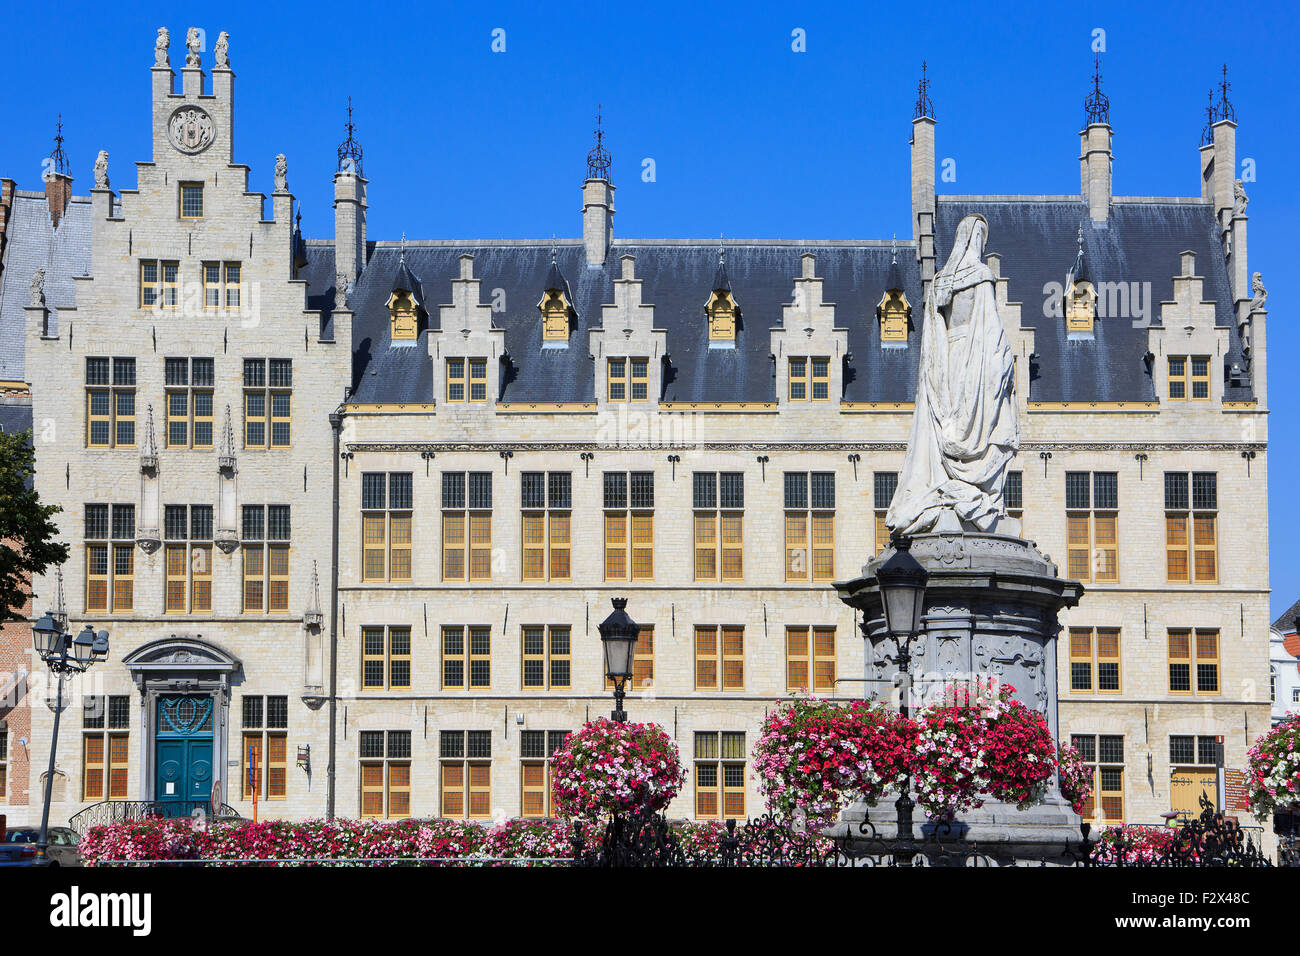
point(185, 686)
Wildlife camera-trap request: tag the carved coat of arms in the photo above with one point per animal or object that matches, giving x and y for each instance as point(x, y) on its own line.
point(190, 129)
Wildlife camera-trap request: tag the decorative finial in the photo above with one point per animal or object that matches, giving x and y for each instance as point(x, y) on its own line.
point(893, 250)
point(721, 257)
point(1226, 112)
point(552, 248)
point(1207, 132)
point(1096, 105)
point(598, 159)
point(924, 105)
point(401, 259)
point(350, 149)
point(58, 158)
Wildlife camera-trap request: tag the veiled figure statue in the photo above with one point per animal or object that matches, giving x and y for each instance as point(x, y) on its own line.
point(964, 427)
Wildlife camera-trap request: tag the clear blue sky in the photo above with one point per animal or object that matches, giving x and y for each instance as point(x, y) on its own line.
point(749, 138)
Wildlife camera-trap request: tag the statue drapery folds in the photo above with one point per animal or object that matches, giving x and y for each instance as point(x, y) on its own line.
point(965, 431)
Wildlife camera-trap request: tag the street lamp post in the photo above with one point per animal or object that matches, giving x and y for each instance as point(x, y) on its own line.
point(902, 590)
point(65, 655)
point(618, 634)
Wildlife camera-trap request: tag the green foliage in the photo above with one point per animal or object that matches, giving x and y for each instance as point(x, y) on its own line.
point(27, 533)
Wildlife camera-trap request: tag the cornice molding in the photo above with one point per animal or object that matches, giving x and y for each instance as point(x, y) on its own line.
point(882, 446)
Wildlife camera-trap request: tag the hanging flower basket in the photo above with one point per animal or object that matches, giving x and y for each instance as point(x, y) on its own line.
point(1273, 769)
point(814, 756)
point(1075, 776)
point(608, 767)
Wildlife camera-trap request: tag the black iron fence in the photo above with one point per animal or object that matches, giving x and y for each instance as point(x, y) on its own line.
point(126, 811)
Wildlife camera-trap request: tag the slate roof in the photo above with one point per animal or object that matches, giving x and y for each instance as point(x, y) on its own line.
point(33, 242)
point(1286, 624)
point(15, 418)
point(678, 279)
point(1141, 242)
point(1036, 238)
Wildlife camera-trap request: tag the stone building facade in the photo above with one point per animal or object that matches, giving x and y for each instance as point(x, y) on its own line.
point(528, 428)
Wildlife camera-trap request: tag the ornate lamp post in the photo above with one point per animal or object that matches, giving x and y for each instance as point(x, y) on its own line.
point(902, 589)
point(618, 634)
point(65, 655)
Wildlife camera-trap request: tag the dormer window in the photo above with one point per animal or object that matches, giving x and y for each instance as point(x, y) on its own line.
point(894, 313)
point(722, 317)
point(404, 304)
point(555, 316)
point(403, 321)
point(556, 306)
point(1080, 308)
point(721, 309)
point(1079, 298)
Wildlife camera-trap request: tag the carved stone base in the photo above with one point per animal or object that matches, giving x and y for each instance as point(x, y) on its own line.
point(991, 611)
point(999, 832)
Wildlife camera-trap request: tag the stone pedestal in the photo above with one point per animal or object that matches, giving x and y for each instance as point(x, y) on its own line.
point(991, 609)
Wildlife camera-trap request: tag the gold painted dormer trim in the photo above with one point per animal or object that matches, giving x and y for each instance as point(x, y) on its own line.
point(403, 315)
point(721, 313)
point(1080, 308)
point(556, 310)
point(894, 313)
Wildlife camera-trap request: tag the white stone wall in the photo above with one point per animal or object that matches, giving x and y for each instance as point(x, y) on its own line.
point(272, 323)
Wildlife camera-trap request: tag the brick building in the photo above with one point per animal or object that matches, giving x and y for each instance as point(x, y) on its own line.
point(526, 429)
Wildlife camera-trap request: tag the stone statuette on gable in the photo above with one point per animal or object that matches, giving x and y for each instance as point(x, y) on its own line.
point(37, 292)
point(193, 47)
point(101, 170)
point(160, 48)
point(221, 52)
point(281, 174)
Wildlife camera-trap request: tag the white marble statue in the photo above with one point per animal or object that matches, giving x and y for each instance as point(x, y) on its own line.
point(193, 46)
point(101, 170)
point(964, 428)
point(221, 52)
point(281, 174)
point(160, 46)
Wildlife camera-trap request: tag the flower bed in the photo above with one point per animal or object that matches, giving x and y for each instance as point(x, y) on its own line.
point(182, 839)
point(1273, 769)
point(159, 839)
point(608, 767)
point(1134, 844)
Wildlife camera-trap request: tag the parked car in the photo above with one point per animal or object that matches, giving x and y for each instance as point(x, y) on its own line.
point(19, 847)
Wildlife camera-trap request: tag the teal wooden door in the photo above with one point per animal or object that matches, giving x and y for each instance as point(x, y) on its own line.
point(183, 754)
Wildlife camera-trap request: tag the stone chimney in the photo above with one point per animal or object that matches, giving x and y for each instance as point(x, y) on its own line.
point(923, 201)
point(1095, 156)
point(350, 207)
point(58, 192)
point(1222, 173)
point(1095, 170)
point(58, 184)
point(598, 202)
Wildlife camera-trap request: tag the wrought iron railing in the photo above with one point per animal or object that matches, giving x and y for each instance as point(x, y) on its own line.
point(1212, 839)
point(109, 812)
